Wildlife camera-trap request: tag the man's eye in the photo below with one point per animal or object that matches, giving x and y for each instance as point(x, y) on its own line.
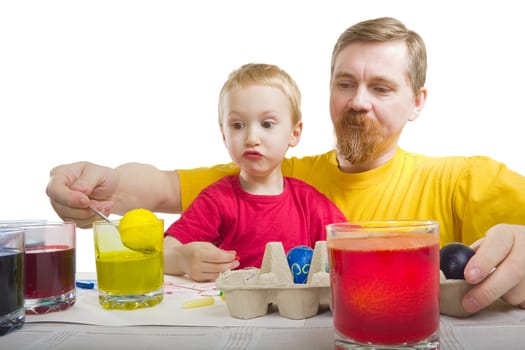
point(382, 89)
point(347, 85)
point(267, 124)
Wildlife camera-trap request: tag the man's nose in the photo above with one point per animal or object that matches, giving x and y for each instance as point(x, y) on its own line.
point(360, 101)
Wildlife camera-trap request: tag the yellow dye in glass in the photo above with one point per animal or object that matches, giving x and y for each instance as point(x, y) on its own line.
point(129, 272)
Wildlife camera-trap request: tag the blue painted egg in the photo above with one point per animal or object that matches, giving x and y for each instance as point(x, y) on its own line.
point(299, 259)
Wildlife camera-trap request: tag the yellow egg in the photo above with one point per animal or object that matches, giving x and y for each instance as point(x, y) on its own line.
point(141, 230)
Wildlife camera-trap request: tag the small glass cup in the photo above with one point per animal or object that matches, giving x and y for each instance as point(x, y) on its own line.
point(128, 279)
point(12, 315)
point(50, 266)
point(384, 278)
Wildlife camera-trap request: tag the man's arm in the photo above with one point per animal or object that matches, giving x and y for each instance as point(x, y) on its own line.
point(144, 186)
point(72, 188)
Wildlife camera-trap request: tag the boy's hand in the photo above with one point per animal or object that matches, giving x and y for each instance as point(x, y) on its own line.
point(202, 261)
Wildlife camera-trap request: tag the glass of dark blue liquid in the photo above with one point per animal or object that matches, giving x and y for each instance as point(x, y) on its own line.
point(12, 314)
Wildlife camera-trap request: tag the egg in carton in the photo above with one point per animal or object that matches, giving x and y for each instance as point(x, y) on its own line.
point(249, 292)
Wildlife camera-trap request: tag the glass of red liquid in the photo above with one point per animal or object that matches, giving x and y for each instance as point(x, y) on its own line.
point(12, 315)
point(384, 278)
point(49, 266)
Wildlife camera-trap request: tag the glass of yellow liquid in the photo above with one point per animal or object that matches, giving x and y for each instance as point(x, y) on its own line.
point(130, 263)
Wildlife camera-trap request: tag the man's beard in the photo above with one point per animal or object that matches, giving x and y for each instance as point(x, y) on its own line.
point(358, 137)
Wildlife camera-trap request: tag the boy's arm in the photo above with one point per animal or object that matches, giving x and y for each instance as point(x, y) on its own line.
point(201, 261)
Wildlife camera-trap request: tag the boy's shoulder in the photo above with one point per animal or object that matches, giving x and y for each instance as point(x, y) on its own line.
point(300, 186)
point(224, 184)
point(310, 197)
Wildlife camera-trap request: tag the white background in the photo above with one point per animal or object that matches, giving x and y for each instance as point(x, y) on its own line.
point(119, 81)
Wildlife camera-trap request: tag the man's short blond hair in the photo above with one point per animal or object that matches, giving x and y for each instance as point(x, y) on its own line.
point(388, 29)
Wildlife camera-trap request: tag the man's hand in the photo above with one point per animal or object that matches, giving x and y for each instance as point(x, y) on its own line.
point(498, 268)
point(73, 187)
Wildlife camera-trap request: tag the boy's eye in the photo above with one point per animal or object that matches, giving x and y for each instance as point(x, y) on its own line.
point(267, 124)
point(237, 125)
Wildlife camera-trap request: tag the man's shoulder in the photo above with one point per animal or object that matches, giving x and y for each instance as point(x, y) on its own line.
point(302, 166)
point(454, 164)
point(326, 156)
point(457, 160)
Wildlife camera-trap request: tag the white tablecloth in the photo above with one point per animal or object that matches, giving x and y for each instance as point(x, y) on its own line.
point(167, 326)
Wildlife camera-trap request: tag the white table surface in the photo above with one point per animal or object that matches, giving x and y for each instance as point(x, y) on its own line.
point(167, 326)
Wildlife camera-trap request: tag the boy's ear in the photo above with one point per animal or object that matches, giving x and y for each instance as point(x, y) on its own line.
point(296, 134)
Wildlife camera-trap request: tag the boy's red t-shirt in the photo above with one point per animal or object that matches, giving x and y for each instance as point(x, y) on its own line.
point(232, 219)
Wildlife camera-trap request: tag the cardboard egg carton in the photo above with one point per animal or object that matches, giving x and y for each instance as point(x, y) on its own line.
point(451, 293)
point(249, 292)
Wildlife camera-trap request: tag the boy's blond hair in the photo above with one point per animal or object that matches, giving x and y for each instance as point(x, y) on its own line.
point(265, 75)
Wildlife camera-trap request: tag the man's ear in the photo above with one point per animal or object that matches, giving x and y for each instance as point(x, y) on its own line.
point(296, 134)
point(419, 104)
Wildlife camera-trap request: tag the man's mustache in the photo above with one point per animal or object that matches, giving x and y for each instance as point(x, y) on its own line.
point(352, 118)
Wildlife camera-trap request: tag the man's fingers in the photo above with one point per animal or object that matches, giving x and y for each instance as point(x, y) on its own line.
point(490, 252)
point(498, 269)
point(484, 294)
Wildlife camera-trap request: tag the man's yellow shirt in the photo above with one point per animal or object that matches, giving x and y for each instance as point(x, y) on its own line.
point(466, 195)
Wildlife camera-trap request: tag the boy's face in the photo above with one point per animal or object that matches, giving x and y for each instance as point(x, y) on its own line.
point(257, 128)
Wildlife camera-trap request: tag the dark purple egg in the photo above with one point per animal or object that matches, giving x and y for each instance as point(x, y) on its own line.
point(453, 258)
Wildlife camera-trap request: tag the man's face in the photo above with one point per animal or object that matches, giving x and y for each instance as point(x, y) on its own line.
point(371, 100)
